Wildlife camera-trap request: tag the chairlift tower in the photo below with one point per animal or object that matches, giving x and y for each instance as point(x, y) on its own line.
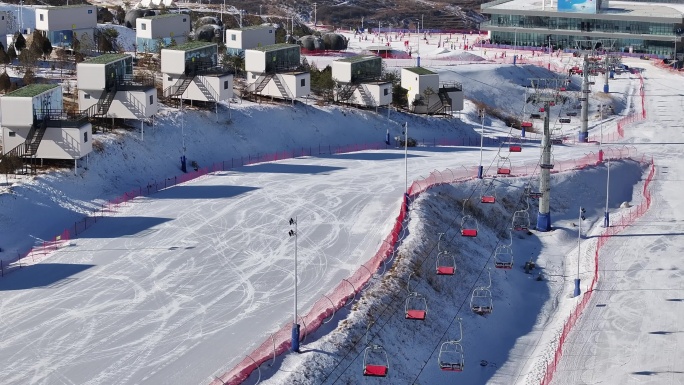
point(587, 48)
point(546, 92)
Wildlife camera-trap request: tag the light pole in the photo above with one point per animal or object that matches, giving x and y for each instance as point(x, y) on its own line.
point(259, 10)
point(479, 168)
point(406, 194)
point(579, 238)
point(606, 215)
point(600, 151)
point(295, 324)
point(406, 157)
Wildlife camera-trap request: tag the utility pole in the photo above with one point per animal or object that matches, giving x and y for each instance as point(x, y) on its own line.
point(295, 322)
point(315, 19)
point(577, 291)
point(480, 167)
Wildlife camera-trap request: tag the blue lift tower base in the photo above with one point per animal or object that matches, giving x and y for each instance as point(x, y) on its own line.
point(577, 291)
point(544, 222)
point(583, 137)
point(295, 338)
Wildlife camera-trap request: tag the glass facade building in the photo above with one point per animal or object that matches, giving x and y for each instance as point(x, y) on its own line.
point(636, 26)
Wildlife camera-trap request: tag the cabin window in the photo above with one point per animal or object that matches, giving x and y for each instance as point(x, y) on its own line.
point(233, 37)
point(151, 99)
point(90, 11)
point(185, 20)
point(12, 134)
point(86, 96)
point(170, 78)
point(42, 17)
point(143, 26)
point(386, 91)
point(225, 84)
point(85, 137)
point(303, 82)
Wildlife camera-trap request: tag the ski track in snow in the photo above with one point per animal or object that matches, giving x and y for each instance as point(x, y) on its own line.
point(188, 281)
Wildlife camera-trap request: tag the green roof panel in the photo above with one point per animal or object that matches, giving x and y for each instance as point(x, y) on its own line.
point(274, 47)
point(163, 16)
point(106, 58)
point(420, 71)
point(191, 46)
point(31, 90)
point(359, 58)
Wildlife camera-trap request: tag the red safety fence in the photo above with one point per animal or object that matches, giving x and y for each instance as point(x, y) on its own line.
point(347, 290)
point(616, 227)
point(35, 254)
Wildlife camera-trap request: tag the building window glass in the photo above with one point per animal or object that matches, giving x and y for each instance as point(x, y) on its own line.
point(386, 92)
point(233, 37)
point(12, 134)
point(90, 11)
point(185, 20)
point(170, 78)
point(303, 82)
point(42, 17)
point(151, 99)
point(225, 84)
point(86, 96)
point(85, 137)
point(143, 26)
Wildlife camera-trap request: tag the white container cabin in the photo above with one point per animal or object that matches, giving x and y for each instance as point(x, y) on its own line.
point(64, 23)
point(358, 81)
point(108, 88)
point(191, 72)
point(427, 96)
point(153, 33)
point(240, 39)
point(272, 70)
point(35, 126)
point(4, 23)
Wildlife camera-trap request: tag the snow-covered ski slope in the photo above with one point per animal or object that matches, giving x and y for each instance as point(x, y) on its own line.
point(183, 284)
point(632, 330)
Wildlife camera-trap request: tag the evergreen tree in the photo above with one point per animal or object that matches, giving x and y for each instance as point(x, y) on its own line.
point(5, 82)
point(19, 42)
point(120, 14)
point(47, 48)
point(4, 59)
point(29, 76)
point(11, 53)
